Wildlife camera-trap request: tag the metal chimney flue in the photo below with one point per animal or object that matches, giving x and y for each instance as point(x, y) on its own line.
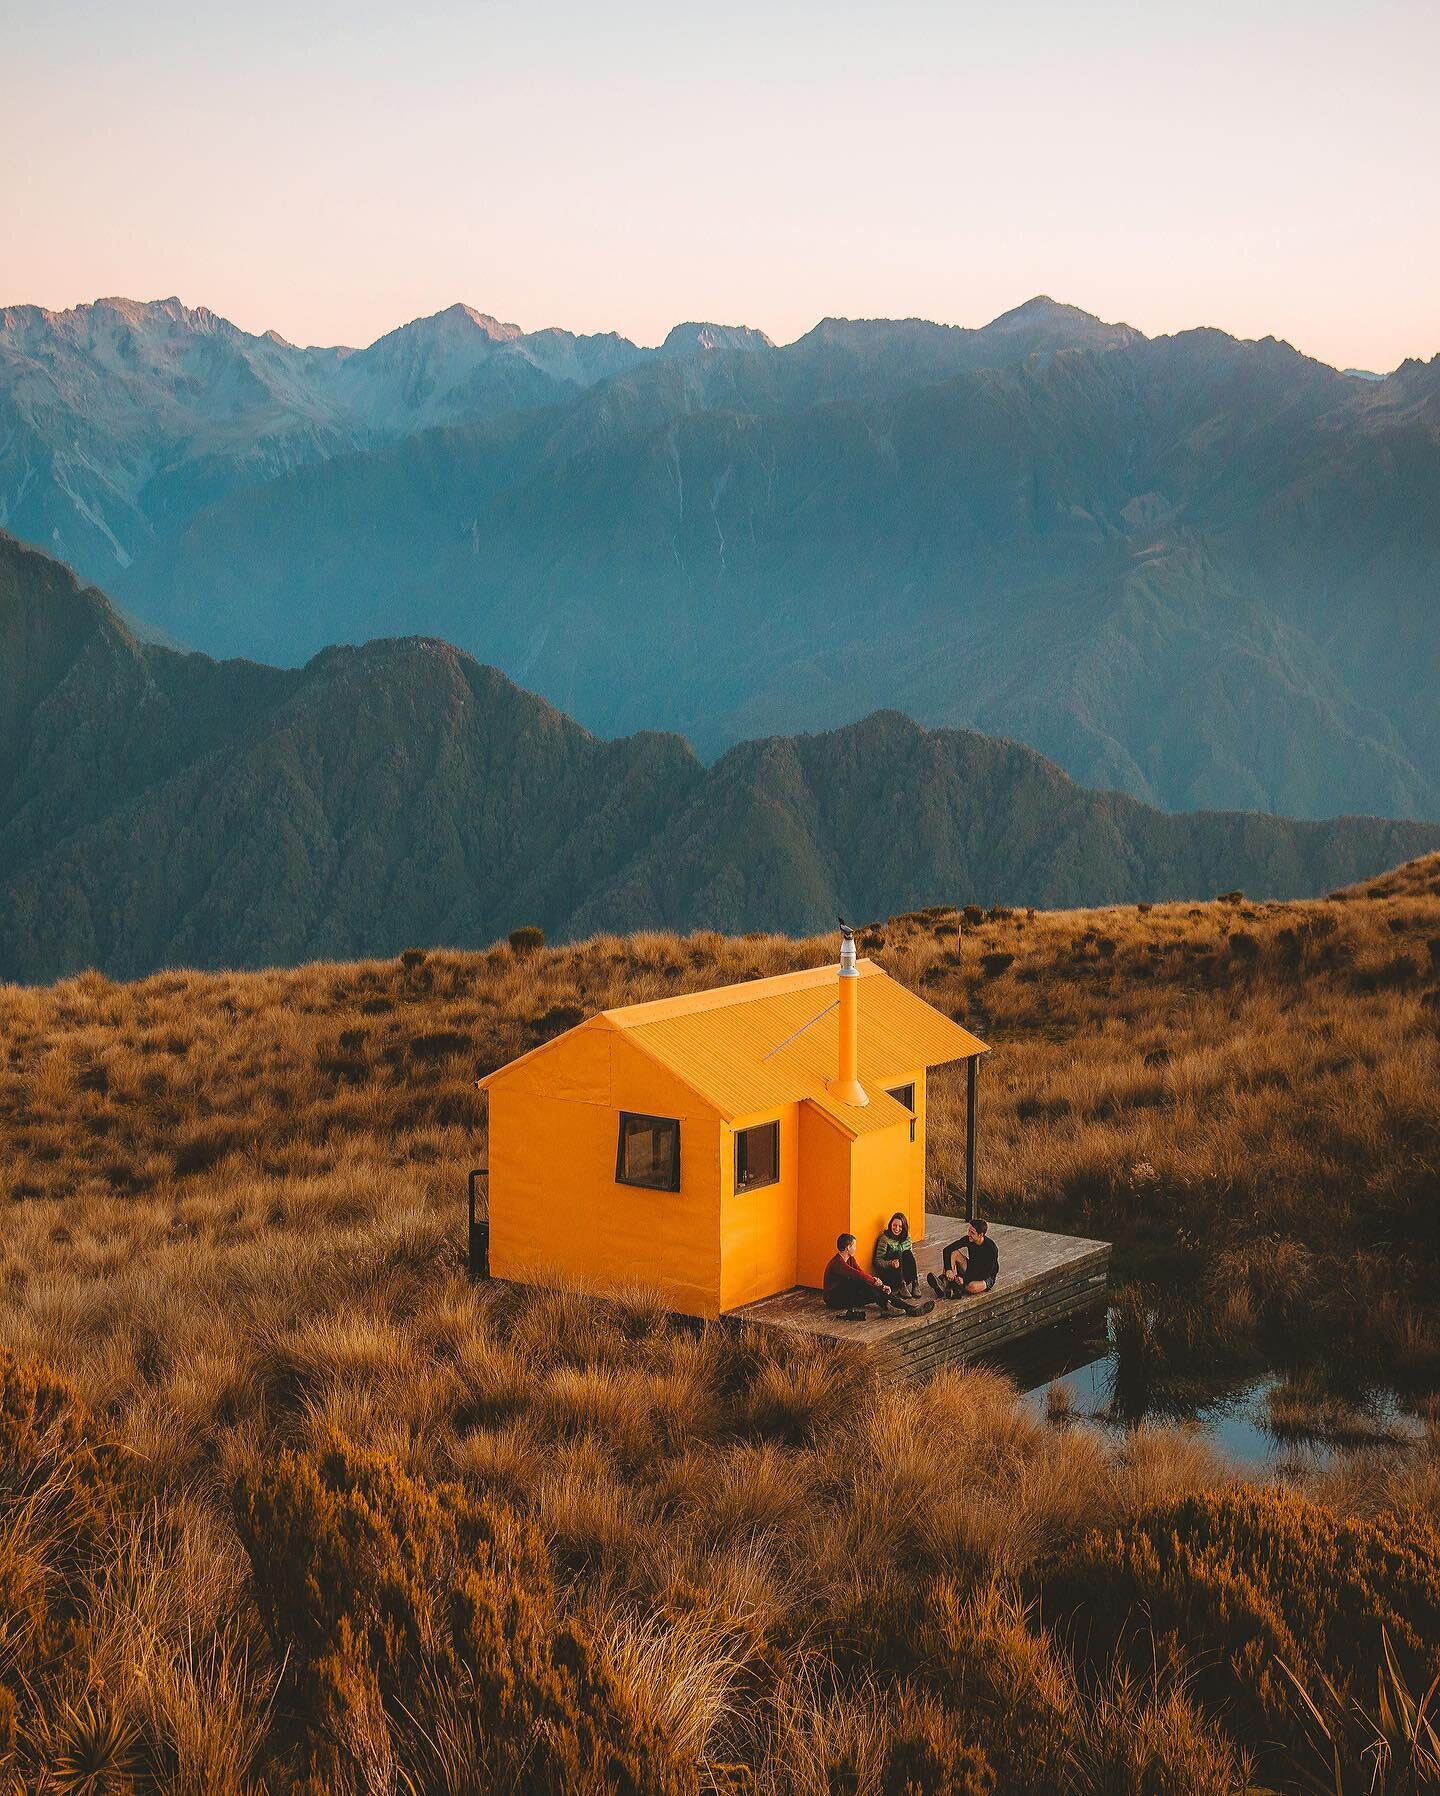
point(846, 1085)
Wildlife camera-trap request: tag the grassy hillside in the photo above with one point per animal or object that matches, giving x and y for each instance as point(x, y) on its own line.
point(313, 1514)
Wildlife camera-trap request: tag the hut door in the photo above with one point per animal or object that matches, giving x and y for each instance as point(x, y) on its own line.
point(763, 1208)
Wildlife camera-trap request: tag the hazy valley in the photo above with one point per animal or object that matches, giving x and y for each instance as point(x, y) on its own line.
point(1194, 569)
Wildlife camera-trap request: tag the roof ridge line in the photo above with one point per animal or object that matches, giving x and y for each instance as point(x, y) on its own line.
point(740, 991)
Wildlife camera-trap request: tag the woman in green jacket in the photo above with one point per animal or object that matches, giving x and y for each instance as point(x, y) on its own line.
point(895, 1257)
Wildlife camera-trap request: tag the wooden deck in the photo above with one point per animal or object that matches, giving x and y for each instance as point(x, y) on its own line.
point(1043, 1279)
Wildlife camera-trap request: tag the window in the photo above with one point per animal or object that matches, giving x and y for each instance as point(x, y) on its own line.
point(757, 1156)
point(905, 1094)
point(648, 1152)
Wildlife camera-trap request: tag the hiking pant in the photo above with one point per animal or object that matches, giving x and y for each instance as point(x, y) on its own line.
point(903, 1272)
point(854, 1293)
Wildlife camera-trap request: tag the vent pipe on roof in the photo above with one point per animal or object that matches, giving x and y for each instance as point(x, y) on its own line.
point(847, 1087)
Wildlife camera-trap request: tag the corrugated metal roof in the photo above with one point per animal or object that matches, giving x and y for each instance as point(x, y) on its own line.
point(733, 1044)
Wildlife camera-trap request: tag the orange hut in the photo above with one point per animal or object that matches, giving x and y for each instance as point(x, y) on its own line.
point(714, 1145)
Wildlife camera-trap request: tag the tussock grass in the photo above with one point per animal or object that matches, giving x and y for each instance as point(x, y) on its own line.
point(235, 1226)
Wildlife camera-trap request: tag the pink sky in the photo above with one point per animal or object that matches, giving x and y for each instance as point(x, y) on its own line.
point(331, 171)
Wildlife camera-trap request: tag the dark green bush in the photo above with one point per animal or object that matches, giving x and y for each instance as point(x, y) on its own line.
point(529, 938)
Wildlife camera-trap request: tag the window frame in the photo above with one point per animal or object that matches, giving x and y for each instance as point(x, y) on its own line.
point(896, 1091)
point(758, 1184)
point(671, 1179)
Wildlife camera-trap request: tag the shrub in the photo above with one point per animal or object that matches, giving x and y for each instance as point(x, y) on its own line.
point(973, 915)
point(439, 1044)
point(993, 965)
point(985, 1655)
point(529, 938)
point(422, 1626)
point(556, 1020)
point(62, 1489)
point(1399, 971)
point(1243, 945)
point(50, 1457)
point(1235, 1581)
point(1230, 898)
point(926, 1753)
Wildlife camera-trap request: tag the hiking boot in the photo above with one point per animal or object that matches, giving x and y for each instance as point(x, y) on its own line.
point(934, 1284)
point(853, 1316)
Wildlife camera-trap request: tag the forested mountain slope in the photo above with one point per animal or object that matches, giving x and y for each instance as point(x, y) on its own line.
point(159, 808)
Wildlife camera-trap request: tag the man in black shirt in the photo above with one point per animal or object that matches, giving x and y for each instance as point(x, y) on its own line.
point(976, 1273)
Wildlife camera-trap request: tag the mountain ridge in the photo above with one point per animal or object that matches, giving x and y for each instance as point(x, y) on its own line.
point(97, 477)
point(1200, 570)
point(159, 808)
point(1052, 544)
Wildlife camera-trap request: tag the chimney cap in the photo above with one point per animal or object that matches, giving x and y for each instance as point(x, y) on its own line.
point(847, 947)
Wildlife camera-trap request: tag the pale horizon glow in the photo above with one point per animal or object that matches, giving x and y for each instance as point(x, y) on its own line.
point(331, 171)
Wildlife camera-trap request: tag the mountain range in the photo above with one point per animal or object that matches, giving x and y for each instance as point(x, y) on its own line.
point(1196, 569)
point(162, 808)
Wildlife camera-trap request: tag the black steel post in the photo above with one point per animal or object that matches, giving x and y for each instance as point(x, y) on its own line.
point(972, 1069)
point(479, 1238)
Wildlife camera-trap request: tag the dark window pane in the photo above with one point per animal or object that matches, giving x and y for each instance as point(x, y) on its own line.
point(757, 1156)
point(905, 1094)
point(649, 1152)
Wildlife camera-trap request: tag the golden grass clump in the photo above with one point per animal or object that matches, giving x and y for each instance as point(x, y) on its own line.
point(246, 1356)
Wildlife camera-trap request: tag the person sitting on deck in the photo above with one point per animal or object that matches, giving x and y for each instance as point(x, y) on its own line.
point(895, 1257)
point(849, 1287)
point(979, 1270)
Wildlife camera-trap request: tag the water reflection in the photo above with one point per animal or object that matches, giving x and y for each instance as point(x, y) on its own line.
point(1095, 1370)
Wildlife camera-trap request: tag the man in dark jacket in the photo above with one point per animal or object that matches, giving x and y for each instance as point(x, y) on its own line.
point(976, 1273)
point(849, 1287)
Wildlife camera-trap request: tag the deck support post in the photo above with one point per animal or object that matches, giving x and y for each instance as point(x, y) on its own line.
point(972, 1069)
point(478, 1241)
